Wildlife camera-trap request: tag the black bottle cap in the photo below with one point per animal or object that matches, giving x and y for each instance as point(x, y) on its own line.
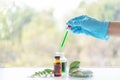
point(57, 56)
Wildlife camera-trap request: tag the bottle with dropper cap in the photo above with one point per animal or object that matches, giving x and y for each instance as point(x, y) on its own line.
point(63, 61)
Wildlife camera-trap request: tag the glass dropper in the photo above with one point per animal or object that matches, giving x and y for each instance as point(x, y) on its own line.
point(64, 39)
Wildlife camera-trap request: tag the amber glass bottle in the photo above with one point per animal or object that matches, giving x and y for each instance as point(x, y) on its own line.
point(57, 67)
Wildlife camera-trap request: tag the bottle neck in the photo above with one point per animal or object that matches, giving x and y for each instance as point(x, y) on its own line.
point(62, 56)
point(57, 60)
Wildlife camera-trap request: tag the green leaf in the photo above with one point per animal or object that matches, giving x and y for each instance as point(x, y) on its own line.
point(44, 73)
point(49, 71)
point(72, 70)
point(75, 64)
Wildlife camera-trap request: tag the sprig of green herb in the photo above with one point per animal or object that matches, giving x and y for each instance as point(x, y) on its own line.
point(44, 73)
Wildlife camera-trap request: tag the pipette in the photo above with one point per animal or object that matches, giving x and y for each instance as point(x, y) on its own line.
point(65, 36)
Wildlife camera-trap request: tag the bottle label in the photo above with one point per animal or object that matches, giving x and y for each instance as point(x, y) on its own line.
point(57, 69)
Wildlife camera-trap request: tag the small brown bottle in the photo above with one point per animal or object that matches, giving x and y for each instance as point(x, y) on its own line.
point(57, 67)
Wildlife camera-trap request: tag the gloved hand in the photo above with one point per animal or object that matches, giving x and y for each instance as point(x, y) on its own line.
point(89, 26)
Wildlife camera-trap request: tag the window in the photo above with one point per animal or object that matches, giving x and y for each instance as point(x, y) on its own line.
point(31, 32)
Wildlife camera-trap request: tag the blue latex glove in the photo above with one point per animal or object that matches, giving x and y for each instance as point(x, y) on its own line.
point(89, 26)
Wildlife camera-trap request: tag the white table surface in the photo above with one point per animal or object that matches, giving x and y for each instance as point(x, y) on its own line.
point(23, 73)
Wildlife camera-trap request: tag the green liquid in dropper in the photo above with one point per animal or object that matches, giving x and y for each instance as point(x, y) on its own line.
point(64, 39)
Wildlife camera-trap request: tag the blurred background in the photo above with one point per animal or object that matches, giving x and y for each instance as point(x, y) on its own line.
point(31, 32)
